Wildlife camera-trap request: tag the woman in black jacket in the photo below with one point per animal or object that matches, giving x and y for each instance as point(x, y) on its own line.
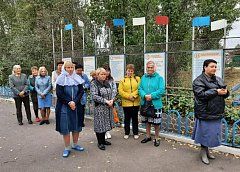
point(209, 94)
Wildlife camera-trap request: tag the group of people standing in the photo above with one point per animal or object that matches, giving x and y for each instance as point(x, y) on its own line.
point(70, 85)
point(39, 86)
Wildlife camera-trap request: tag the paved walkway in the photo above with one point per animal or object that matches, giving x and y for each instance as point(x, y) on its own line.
point(34, 148)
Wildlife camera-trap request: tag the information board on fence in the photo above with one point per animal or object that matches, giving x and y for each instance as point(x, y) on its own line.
point(159, 60)
point(116, 63)
point(198, 57)
point(89, 65)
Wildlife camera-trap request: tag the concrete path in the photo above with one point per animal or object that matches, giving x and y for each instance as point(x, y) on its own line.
point(34, 148)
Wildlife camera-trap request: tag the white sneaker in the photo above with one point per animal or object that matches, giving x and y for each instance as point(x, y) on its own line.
point(108, 135)
point(136, 137)
point(126, 136)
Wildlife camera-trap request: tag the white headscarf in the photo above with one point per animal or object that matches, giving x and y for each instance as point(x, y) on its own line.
point(65, 79)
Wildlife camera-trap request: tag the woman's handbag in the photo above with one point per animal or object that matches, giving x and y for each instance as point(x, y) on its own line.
point(147, 109)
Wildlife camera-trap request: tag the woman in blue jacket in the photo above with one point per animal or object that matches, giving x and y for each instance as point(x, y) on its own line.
point(69, 114)
point(151, 89)
point(43, 87)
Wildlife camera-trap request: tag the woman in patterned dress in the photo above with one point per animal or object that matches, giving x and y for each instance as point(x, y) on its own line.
point(102, 96)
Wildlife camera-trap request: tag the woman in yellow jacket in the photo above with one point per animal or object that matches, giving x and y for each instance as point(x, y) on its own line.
point(128, 90)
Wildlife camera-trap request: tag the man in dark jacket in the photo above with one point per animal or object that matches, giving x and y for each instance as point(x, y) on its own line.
point(209, 104)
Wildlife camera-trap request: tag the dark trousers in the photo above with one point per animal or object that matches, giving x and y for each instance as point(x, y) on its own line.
point(35, 104)
point(131, 113)
point(101, 137)
point(18, 104)
point(83, 111)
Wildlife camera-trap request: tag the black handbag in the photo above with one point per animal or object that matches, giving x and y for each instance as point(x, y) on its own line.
point(148, 110)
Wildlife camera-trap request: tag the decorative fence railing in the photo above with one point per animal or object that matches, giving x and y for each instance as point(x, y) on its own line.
point(172, 122)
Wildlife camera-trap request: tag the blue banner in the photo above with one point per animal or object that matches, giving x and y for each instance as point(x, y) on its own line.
point(201, 21)
point(68, 27)
point(119, 22)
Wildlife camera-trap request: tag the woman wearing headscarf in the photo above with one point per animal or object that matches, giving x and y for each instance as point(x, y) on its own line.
point(43, 87)
point(19, 85)
point(151, 90)
point(69, 115)
point(102, 96)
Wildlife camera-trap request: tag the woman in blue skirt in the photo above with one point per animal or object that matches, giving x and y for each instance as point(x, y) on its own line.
point(209, 94)
point(43, 88)
point(69, 114)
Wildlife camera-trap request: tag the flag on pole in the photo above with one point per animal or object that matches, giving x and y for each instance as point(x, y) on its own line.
point(80, 23)
point(219, 24)
point(68, 27)
point(119, 22)
point(139, 21)
point(201, 21)
point(161, 20)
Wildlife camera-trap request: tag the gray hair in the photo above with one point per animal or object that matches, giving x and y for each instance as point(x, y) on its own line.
point(15, 68)
point(150, 62)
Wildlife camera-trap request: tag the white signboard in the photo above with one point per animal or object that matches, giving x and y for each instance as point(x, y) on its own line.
point(89, 65)
point(116, 63)
point(159, 60)
point(198, 57)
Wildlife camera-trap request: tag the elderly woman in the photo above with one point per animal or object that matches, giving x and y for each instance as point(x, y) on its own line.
point(19, 85)
point(102, 95)
point(209, 104)
point(69, 115)
point(43, 87)
point(128, 90)
point(151, 90)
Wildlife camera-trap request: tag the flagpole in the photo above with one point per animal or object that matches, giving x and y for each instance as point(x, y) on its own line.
point(167, 38)
point(144, 38)
point(72, 42)
point(53, 44)
point(83, 40)
point(61, 31)
point(225, 36)
point(166, 56)
point(95, 39)
point(109, 36)
point(193, 35)
point(124, 40)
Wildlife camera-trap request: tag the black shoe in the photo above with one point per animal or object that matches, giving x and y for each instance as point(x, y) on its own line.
point(42, 122)
point(30, 122)
point(47, 122)
point(156, 142)
point(20, 123)
point(107, 143)
point(101, 146)
point(146, 140)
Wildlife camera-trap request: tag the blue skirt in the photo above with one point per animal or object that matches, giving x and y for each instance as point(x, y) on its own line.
point(207, 132)
point(70, 120)
point(45, 103)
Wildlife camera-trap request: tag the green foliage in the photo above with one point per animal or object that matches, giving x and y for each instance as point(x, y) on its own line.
point(180, 100)
point(25, 28)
